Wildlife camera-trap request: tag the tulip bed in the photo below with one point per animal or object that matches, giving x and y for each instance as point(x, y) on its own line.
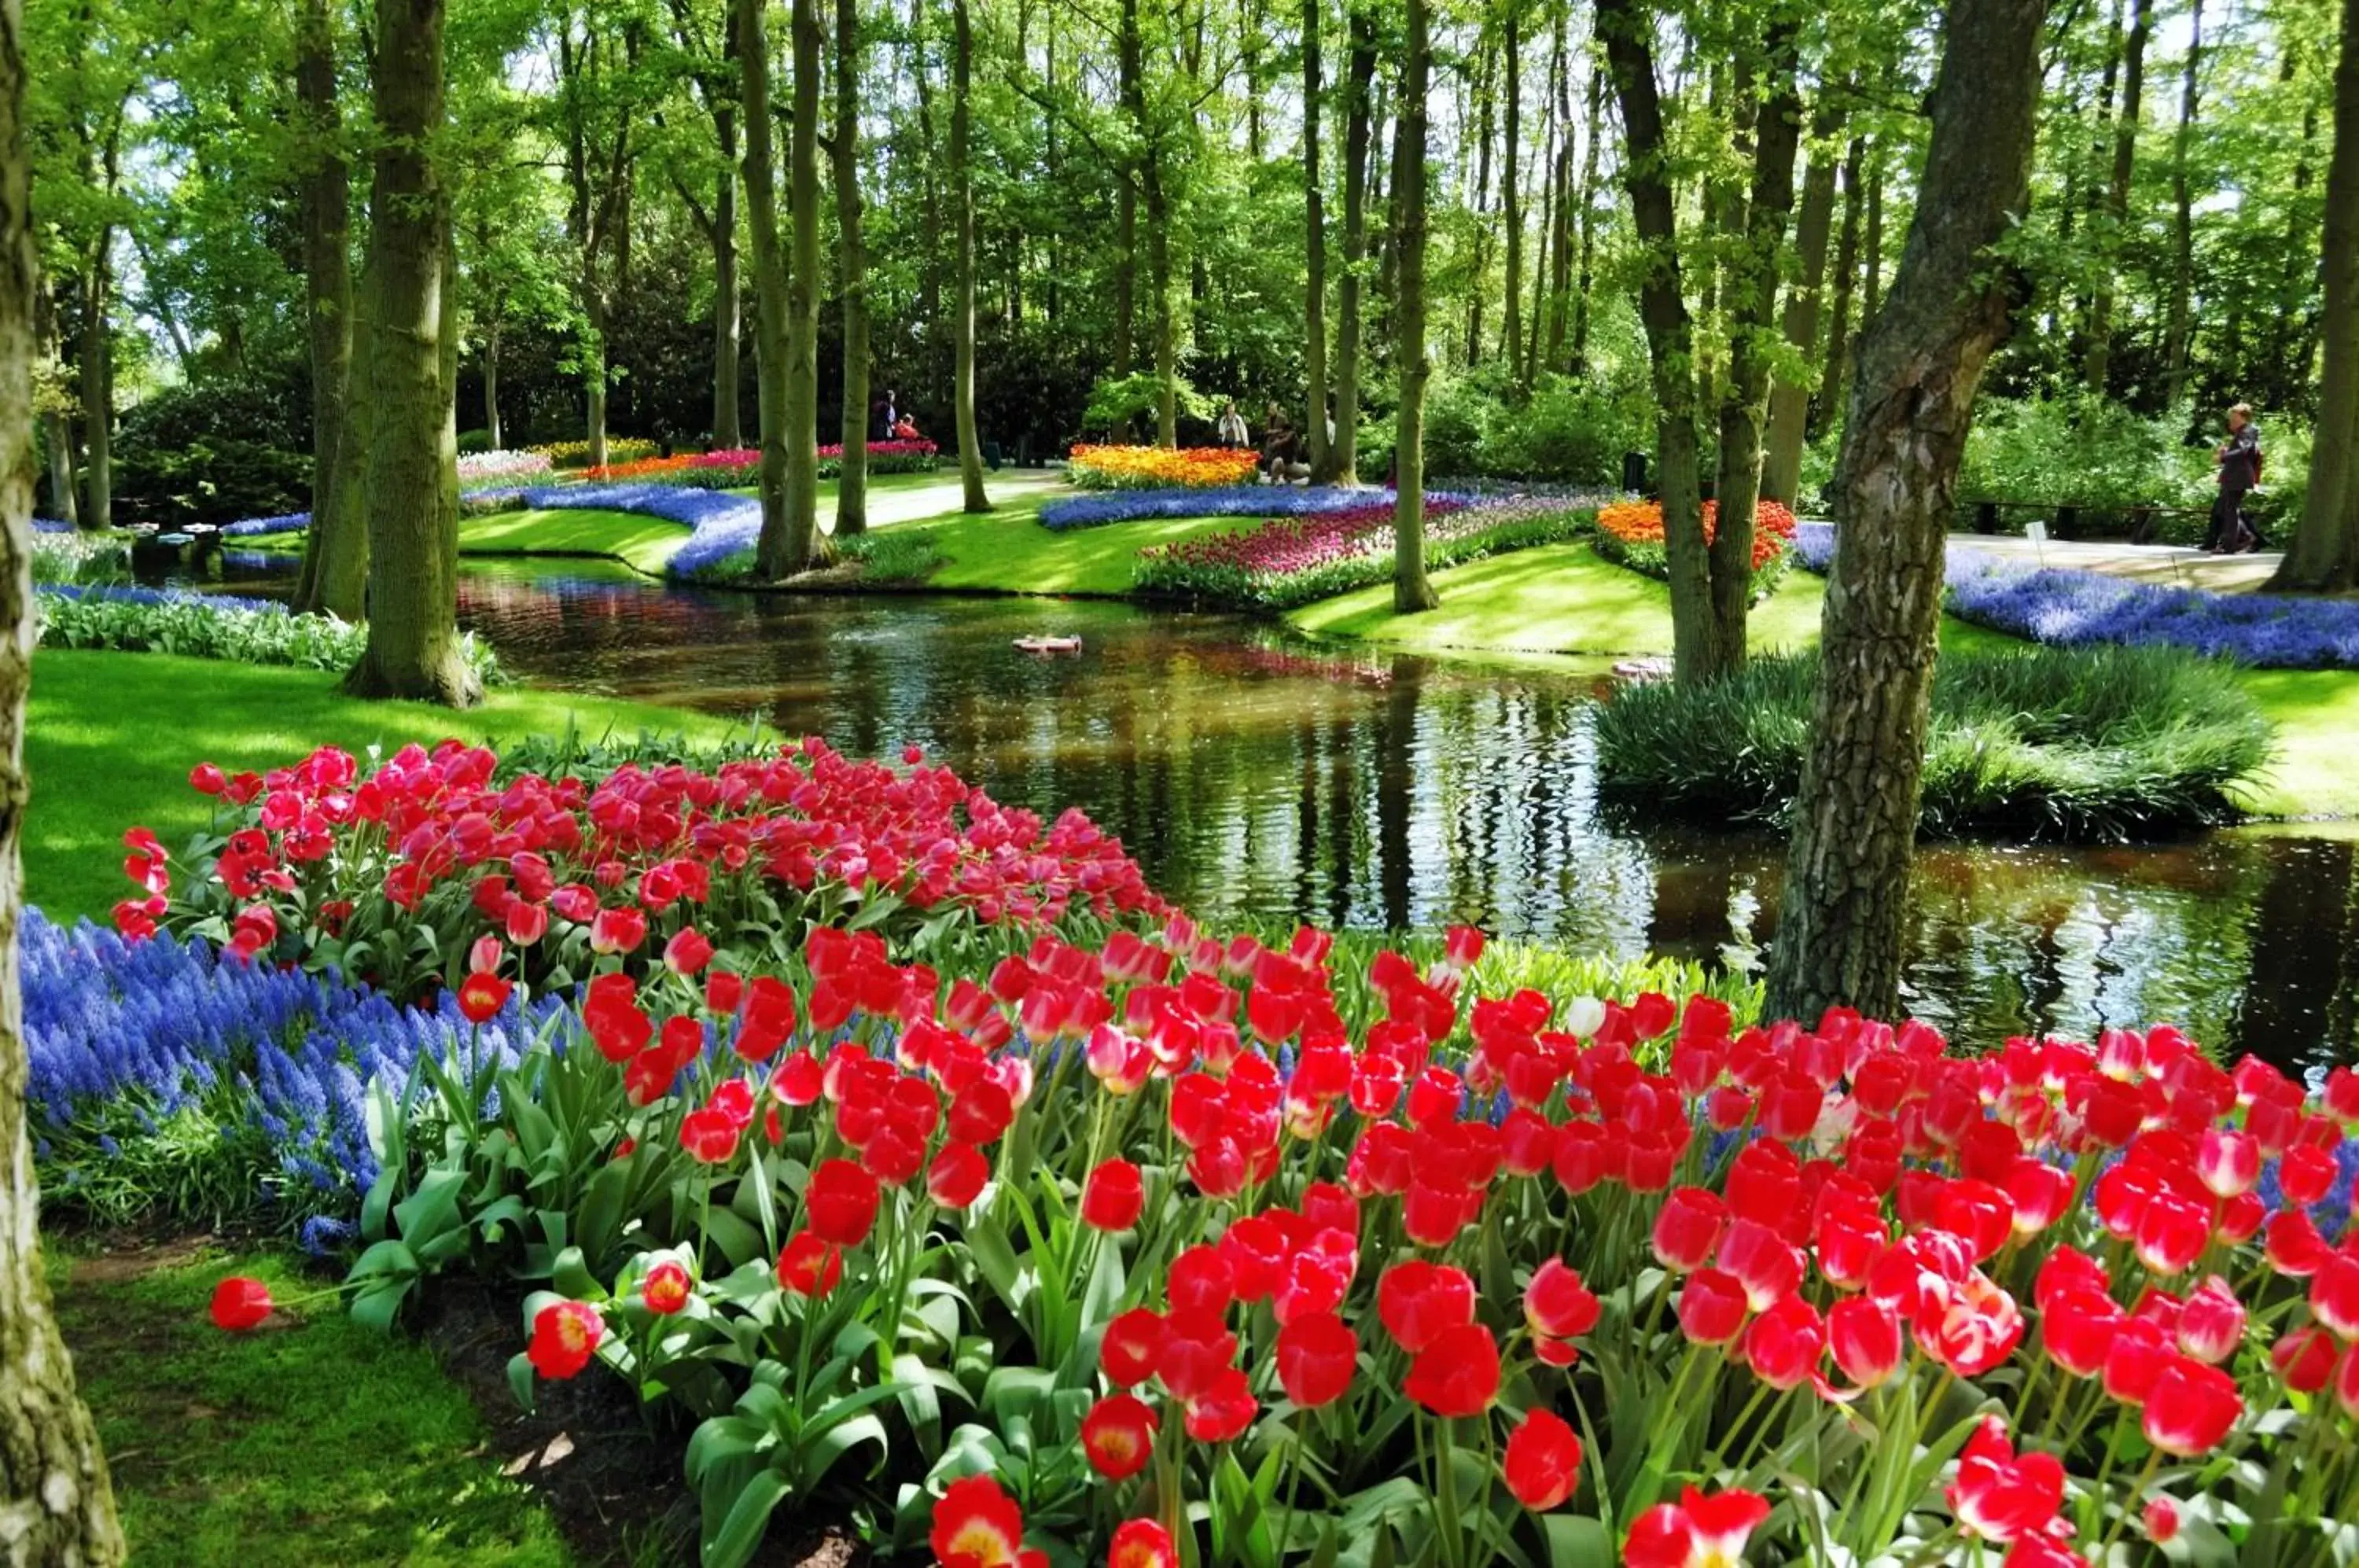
point(737, 467)
point(1631, 533)
point(1235, 501)
point(504, 466)
point(1294, 560)
point(576, 453)
point(1038, 1228)
point(1148, 467)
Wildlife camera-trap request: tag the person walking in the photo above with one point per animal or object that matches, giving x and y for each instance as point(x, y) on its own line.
point(2239, 458)
point(1232, 426)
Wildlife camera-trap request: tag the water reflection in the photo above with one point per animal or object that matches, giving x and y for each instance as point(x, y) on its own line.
point(1253, 774)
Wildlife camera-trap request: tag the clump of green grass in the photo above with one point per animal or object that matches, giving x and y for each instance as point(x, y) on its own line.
point(2102, 743)
point(894, 555)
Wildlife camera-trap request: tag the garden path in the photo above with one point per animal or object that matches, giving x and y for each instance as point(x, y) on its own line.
point(2175, 566)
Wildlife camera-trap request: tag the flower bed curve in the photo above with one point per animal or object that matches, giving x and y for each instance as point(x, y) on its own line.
point(1148, 467)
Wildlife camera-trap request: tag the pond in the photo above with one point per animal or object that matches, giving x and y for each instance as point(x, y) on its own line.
point(1257, 774)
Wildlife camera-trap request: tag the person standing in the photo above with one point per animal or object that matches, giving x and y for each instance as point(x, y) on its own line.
point(1232, 426)
point(2239, 458)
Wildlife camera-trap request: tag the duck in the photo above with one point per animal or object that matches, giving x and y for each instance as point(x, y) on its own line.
point(1048, 644)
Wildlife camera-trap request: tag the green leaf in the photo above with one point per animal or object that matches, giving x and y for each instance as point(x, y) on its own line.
point(820, 1457)
point(1576, 1541)
point(523, 1381)
point(747, 1521)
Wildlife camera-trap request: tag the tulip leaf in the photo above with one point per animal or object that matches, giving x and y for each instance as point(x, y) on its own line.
point(820, 1457)
point(522, 1381)
point(748, 1519)
point(1577, 1542)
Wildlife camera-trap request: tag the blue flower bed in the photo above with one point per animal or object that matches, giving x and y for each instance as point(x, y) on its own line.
point(2069, 608)
point(254, 527)
point(159, 1068)
point(1231, 501)
point(125, 594)
point(51, 526)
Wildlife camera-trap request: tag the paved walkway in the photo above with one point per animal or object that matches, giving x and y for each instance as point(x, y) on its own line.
point(2174, 565)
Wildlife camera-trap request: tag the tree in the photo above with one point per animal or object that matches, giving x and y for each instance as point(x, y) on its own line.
point(597, 109)
point(411, 492)
point(2323, 555)
point(57, 1505)
point(334, 576)
point(962, 183)
point(779, 551)
point(1314, 253)
point(1360, 71)
point(1411, 588)
point(1789, 395)
point(2098, 366)
point(1697, 649)
point(1511, 330)
point(800, 397)
point(1843, 914)
point(717, 91)
point(852, 263)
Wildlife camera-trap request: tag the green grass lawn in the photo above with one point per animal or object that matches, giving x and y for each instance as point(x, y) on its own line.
point(1009, 553)
point(1567, 599)
point(310, 1440)
point(111, 738)
point(644, 544)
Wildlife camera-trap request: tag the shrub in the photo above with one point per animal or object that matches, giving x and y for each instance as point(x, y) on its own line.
point(213, 452)
point(1631, 532)
point(210, 626)
point(2104, 745)
point(1147, 467)
point(81, 558)
point(576, 453)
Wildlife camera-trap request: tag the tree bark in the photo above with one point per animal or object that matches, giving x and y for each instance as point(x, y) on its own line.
point(962, 174)
point(1749, 302)
point(1838, 358)
point(1579, 363)
point(2323, 555)
point(97, 369)
point(412, 492)
point(1560, 262)
point(1871, 282)
point(1484, 88)
point(57, 430)
point(800, 394)
point(2179, 321)
point(1314, 254)
point(728, 308)
point(852, 262)
point(1789, 398)
point(1670, 335)
point(775, 555)
point(326, 185)
point(1842, 913)
point(1359, 74)
point(2098, 367)
point(57, 1505)
point(930, 296)
point(1131, 45)
point(1511, 196)
point(492, 389)
point(1412, 591)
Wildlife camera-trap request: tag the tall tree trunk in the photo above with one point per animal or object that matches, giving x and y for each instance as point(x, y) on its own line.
point(1749, 303)
point(1592, 135)
point(800, 398)
point(963, 176)
point(1486, 94)
point(1560, 263)
point(2179, 323)
point(930, 296)
point(57, 1506)
point(2098, 367)
point(775, 555)
point(1359, 75)
point(728, 308)
point(1131, 48)
point(2323, 554)
point(2297, 315)
point(57, 430)
point(1871, 282)
point(851, 261)
point(1842, 913)
point(594, 374)
point(97, 388)
point(1670, 334)
point(1789, 398)
point(1314, 253)
point(492, 389)
point(1411, 588)
point(1511, 202)
point(1837, 364)
point(326, 186)
point(412, 492)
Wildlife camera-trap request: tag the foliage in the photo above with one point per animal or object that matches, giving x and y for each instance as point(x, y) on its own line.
point(2102, 744)
point(576, 453)
point(1153, 467)
point(70, 556)
point(1294, 560)
point(212, 626)
point(1567, 430)
point(1631, 533)
point(1137, 397)
point(899, 555)
point(211, 455)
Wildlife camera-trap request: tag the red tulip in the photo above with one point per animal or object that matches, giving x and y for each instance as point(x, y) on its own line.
point(1761, 1261)
point(1416, 1301)
point(481, 998)
point(1980, 1327)
point(1457, 1374)
point(2171, 1234)
point(2212, 1323)
point(1118, 1436)
point(1141, 1543)
point(2346, 1382)
point(1997, 1494)
point(2304, 1359)
point(2077, 1329)
point(2306, 1174)
point(841, 1202)
point(977, 1525)
point(240, 1302)
point(2040, 1193)
point(1711, 1306)
point(666, 1289)
point(709, 1135)
point(1865, 1337)
point(1127, 1353)
point(1317, 1356)
point(2191, 1407)
point(1202, 1281)
point(2335, 1295)
point(723, 989)
point(565, 1336)
point(2161, 1520)
point(1697, 1532)
point(957, 1176)
point(810, 1264)
point(1224, 1409)
point(2294, 1247)
point(1542, 1462)
point(687, 951)
point(2227, 1163)
point(2136, 1359)
point(1557, 1305)
point(617, 930)
point(1686, 1229)
point(1783, 1345)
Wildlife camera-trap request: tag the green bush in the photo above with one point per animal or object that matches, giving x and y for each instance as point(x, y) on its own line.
point(196, 628)
point(2106, 743)
point(213, 454)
